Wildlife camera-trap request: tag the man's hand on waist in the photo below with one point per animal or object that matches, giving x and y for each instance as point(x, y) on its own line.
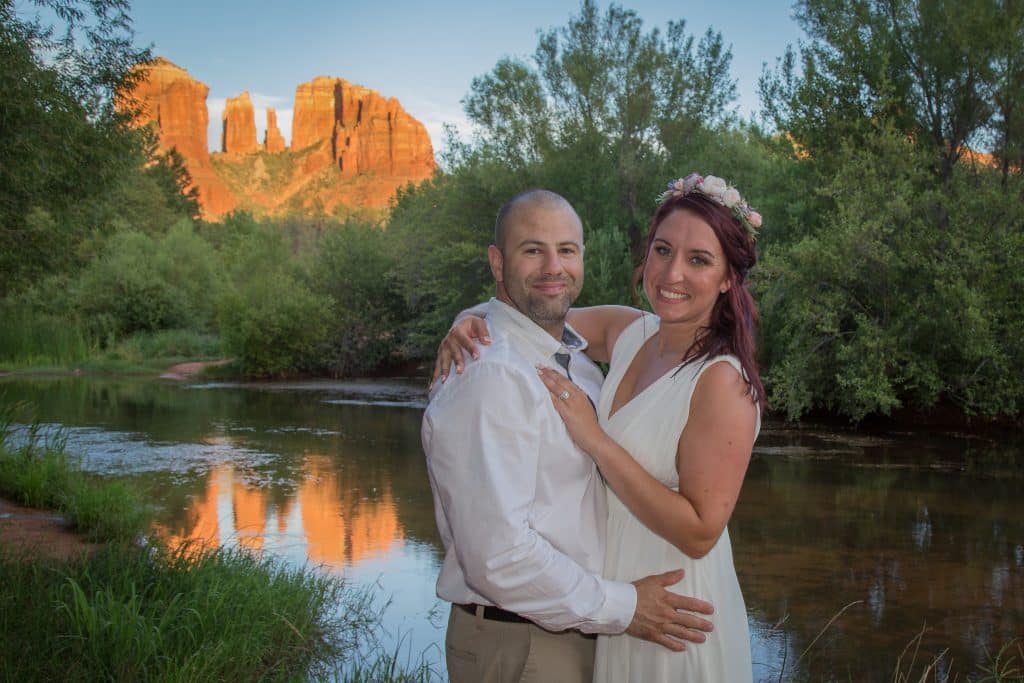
point(665, 617)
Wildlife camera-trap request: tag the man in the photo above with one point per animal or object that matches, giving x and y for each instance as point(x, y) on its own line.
point(520, 508)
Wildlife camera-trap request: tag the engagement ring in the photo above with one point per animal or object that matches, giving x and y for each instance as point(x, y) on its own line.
point(564, 395)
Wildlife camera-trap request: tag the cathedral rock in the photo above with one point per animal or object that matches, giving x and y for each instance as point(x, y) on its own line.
point(175, 104)
point(352, 148)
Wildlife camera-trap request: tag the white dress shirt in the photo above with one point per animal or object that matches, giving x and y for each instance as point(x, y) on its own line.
point(520, 508)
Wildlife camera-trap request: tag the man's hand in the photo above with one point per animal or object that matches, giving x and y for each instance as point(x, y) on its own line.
point(666, 618)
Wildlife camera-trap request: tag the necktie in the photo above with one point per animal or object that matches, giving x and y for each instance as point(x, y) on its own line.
point(563, 360)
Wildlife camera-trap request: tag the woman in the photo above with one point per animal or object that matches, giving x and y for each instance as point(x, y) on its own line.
point(675, 423)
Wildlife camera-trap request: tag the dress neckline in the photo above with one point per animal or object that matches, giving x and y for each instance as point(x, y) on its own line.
point(655, 325)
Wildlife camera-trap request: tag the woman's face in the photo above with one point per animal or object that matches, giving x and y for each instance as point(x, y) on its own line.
point(685, 271)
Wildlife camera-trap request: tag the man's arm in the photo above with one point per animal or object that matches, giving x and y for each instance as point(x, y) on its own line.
point(484, 463)
point(484, 467)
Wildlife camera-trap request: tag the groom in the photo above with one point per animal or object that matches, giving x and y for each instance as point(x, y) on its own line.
point(521, 510)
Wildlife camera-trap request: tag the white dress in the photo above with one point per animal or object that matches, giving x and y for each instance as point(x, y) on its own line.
point(648, 427)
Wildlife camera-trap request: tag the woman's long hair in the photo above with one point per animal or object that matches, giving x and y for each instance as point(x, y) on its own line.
point(734, 318)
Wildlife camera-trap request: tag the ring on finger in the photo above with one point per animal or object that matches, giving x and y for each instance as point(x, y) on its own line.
point(564, 395)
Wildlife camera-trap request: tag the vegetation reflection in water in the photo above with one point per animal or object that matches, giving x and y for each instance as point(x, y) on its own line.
point(893, 525)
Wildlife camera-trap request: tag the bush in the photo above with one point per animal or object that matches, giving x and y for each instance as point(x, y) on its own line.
point(274, 324)
point(139, 283)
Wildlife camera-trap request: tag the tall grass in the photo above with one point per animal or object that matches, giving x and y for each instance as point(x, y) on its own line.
point(40, 474)
point(129, 614)
point(34, 338)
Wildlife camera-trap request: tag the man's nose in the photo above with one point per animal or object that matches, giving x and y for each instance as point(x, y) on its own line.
point(552, 262)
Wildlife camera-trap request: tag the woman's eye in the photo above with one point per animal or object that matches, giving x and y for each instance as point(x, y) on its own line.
point(661, 251)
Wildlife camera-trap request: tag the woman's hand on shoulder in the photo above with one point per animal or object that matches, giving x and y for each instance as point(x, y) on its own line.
point(463, 336)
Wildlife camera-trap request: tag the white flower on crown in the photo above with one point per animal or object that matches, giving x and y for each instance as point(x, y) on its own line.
point(714, 187)
point(731, 197)
point(719, 191)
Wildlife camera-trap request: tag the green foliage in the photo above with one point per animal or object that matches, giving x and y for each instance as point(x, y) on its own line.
point(275, 325)
point(139, 283)
point(946, 74)
point(356, 268)
point(898, 297)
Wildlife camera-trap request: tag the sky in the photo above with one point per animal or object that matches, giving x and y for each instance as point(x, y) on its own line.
point(426, 54)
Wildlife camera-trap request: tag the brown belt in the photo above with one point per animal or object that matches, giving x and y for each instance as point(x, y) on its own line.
point(493, 613)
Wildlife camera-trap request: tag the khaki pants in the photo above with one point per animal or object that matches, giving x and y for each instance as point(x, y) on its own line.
point(479, 650)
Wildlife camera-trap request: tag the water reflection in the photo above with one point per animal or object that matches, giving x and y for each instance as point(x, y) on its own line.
point(322, 520)
point(896, 526)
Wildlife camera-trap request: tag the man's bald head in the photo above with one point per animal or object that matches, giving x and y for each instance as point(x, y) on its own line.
point(528, 200)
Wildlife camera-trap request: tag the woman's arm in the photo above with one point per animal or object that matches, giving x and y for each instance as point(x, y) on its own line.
point(711, 458)
point(601, 327)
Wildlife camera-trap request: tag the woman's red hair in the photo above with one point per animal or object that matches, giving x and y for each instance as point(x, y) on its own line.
point(734, 317)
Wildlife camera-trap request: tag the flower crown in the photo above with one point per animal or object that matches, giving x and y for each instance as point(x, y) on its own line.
point(717, 190)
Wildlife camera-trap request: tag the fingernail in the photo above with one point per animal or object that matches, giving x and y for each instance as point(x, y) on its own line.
point(486, 339)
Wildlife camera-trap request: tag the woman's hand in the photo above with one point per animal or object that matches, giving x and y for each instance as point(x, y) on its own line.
point(573, 404)
point(460, 337)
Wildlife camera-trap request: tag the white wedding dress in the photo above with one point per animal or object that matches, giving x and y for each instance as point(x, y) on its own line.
point(648, 427)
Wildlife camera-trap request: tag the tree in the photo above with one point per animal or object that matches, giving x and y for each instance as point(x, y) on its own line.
point(63, 142)
point(945, 73)
point(600, 106)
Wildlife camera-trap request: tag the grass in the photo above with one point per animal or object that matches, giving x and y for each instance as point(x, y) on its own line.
point(29, 338)
point(40, 474)
point(41, 344)
point(137, 610)
point(1005, 666)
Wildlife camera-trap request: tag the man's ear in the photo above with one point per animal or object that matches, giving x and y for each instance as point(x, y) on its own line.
point(496, 260)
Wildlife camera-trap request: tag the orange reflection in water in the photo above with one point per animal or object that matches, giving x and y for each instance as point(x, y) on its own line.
point(339, 525)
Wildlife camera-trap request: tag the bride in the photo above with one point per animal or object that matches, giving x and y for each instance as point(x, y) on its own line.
point(676, 421)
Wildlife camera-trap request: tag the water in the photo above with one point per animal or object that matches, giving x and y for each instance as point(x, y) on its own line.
point(897, 526)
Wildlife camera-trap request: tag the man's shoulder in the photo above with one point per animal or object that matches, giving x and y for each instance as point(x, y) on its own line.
point(501, 369)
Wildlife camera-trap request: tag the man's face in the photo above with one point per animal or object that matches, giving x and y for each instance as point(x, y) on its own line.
point(539, 268)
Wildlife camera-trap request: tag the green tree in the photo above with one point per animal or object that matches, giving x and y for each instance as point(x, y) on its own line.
point(63, 141)
point(355, 267)
point(603, 100)
point(884, 306)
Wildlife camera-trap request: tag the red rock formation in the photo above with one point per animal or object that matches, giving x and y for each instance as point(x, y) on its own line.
point(362, 131)
point(170, 100)
point(273, 141)
point(351, 147)
point(238, 132)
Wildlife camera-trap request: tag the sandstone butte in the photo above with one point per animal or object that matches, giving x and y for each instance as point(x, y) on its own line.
point(352, 148)
point(238, 126)
point(169, 98)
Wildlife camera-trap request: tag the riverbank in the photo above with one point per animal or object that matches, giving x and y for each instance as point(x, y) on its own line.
point(127, 607)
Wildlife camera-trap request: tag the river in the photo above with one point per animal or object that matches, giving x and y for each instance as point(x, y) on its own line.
point(913, 532)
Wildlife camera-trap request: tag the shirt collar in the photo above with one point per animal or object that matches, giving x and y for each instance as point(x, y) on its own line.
point(502, 314)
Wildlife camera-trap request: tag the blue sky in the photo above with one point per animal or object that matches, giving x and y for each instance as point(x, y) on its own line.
point(424, 53)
